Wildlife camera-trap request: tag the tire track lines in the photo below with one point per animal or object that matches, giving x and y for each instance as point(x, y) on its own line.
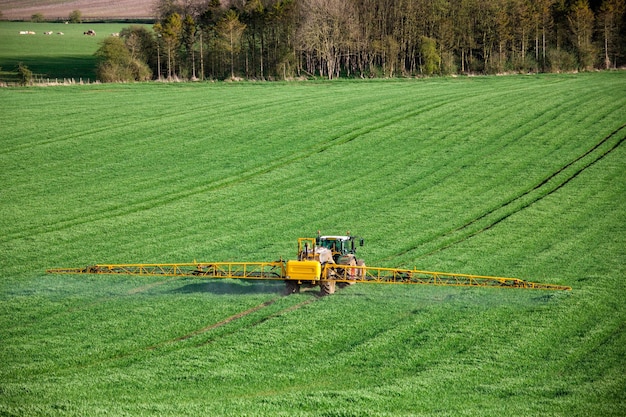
point(232, 319)
point(562, 108)
point(221, 323)
point(548, 186)
point(385, 120)
point(537, 122)
point(149, 202)
point(177, 343)
point(168, 197)
point(254, 323)
point(189, 113)
point(475, 156)
point(97, 301)
point(95, 130)
point(553, 176)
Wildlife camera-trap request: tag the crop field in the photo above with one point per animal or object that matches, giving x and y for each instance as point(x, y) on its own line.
point(518, 176)
point(54, 56)
point(61, 9)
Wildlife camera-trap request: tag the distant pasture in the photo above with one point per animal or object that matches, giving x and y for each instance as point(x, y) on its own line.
point(52, 50)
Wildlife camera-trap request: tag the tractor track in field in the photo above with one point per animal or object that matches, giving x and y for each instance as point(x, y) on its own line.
point(198, 189)
point(233, 318)
point(550, 177)
point(189, 113)
point(382, 120)
point(169, 345)
point(548, 186)
point(253, 324)
point(222, 322)
point(228, 320)
point(100, 300)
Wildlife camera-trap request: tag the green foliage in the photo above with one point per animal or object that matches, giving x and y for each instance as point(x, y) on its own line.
point(76, 16)
point(560, 60)
point(430, 57)
point(25, 74)
point(518, 176)
point(141, 45)
point(117, 64)
point(113, 49)
point(114, 61)
point(37, 18)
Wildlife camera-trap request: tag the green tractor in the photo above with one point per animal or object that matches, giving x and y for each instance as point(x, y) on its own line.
point(343, 248)
point(315, 256)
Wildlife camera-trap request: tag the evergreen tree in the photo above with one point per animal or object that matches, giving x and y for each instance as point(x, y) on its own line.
point(230, 31)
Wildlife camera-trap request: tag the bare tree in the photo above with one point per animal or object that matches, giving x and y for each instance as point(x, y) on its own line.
point(327, 30)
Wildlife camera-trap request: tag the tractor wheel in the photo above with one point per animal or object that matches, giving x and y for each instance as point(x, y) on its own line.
point(291, 287)
point(327, 287)
point(351, 272)
point(360, 272)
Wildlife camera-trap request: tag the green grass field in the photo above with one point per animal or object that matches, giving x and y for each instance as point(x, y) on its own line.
point(520, 176)
point(55, 56)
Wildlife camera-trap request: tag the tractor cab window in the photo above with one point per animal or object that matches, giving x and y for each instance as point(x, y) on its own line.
point(336, 245)
point(332, 244)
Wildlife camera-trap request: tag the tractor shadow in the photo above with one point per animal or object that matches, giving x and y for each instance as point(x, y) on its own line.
point(241, 286)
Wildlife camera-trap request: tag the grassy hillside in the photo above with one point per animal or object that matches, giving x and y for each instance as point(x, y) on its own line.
point(512, 176)
point(70, 55)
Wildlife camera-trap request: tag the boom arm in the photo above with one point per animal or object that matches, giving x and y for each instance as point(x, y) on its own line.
point(376, 275)
point(241, 270)
point(330, 272)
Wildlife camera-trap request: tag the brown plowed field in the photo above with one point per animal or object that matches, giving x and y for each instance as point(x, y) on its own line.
point(61, 9)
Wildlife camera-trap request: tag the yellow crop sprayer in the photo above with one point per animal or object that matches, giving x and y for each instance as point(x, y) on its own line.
point(326, 261)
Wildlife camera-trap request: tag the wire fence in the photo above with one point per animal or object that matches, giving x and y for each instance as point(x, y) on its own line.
point(43, 82)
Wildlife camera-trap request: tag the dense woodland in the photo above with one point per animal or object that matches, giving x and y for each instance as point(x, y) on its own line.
point(276, 39)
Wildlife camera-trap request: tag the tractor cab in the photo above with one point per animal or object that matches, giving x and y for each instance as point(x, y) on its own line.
point(339, 245)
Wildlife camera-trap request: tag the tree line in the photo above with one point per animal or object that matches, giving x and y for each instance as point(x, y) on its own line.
point(277, 39)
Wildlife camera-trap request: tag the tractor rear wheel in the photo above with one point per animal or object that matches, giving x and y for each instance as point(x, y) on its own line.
point(361, 271)
point(349, 272)
point(327, 287)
